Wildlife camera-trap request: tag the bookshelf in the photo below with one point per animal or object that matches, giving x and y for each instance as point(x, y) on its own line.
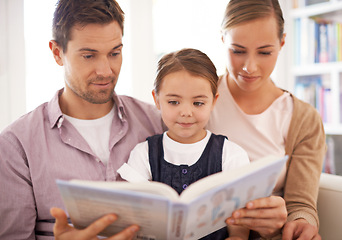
point(315, 37)
point(316, 61)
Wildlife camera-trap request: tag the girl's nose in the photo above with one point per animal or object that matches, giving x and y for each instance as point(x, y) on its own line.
point(186, 111)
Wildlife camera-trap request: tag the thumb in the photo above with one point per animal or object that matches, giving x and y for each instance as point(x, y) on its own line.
point(61, 224)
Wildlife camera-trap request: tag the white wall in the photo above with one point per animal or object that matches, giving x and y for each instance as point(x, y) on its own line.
point(12, 63)
point(142, 48)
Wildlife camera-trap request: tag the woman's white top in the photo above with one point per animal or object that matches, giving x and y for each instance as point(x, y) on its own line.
point(259, 134)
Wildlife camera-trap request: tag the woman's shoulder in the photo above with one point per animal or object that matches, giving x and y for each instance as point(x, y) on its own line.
point(302, 108)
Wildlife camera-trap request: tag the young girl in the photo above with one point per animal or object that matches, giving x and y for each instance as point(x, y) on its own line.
point(185, 92)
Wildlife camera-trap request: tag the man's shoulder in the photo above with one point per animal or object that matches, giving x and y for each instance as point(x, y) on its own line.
point(28, 121)
point(132, 104)
point(141, 113)
point(128, 99)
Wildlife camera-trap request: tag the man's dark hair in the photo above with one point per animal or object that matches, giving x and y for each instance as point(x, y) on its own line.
point(69, 13)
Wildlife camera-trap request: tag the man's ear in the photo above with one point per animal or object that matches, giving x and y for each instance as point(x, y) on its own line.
point(155, 98)
point(57, 52)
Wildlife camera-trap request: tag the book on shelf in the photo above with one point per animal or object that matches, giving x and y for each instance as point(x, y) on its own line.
point(315, 89)
point(329, 159)
point(304, 3)
point(313, 2)
point(158, 209)
point(317, 41)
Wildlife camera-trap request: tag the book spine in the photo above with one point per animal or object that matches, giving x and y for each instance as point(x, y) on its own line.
point(177, 221)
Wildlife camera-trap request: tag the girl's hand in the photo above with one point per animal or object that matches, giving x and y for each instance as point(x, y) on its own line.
point(266, 216)
point(300, 229)
point(63, 231)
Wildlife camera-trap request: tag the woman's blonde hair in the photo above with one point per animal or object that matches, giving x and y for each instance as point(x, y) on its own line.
point(240, 11)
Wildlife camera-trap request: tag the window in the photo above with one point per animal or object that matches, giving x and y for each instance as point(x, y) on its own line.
point(152, 28)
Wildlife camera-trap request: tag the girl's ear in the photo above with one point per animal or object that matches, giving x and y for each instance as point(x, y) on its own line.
point(214, 101)
point(57, 52)
point(155, 98)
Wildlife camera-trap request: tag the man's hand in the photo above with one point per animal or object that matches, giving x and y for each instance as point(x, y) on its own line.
point(63, 231)
point(300, 229)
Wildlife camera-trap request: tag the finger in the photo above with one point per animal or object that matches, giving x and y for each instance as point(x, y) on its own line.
point(317, 237)
point(268, 202)
point(61, 224)
point(256, 223)
point(261, 213)
point(288, 231)
point(266, 232)
point(127, 234)
point(98, 226)
point(307, 232)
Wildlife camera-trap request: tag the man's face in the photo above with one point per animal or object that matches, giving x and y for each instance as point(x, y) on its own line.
point(92, 62)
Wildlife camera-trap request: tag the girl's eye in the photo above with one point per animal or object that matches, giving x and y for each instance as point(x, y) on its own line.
point(198, 104)
point(173, 102)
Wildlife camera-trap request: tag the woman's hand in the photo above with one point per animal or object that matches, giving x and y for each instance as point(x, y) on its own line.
point(266, 216)
point(300, 229)
point(63, 231)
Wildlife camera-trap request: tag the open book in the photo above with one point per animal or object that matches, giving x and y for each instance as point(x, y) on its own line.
point(158, 209)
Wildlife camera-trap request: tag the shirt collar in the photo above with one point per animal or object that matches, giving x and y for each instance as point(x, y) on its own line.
point(56, 116)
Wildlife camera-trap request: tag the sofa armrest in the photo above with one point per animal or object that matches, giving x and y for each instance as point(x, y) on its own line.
point(329, 206)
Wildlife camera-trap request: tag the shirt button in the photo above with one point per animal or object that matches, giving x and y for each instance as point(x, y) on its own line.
point(185, 186)
point(184, 171)
point(59, 123)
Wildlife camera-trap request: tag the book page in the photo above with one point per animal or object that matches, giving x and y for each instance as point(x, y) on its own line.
point(86, 204)
point(208, 212)
point(155, 188)
point(207, 184)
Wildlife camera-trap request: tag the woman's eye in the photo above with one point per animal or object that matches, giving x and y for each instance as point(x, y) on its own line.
point(235, 51)
point(265, 53)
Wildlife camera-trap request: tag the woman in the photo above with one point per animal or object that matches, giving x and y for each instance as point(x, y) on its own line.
point(264, 119)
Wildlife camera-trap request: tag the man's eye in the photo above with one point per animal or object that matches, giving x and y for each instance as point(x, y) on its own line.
point(87, 56)
point(114, 54)
point(198, 104)
point(173, 102)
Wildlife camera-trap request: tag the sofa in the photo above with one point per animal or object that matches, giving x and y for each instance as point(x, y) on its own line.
point(329, 206)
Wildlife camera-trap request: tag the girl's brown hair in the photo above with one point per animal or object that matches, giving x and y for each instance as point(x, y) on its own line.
point(191, 60)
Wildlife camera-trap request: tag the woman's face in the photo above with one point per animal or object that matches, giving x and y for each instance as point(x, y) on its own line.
point(252, 50)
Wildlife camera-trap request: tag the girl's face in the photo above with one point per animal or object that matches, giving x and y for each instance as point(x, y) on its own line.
point(253, 48)
point(185, 102)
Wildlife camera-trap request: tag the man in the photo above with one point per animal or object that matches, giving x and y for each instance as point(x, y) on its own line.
point(86, 131)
